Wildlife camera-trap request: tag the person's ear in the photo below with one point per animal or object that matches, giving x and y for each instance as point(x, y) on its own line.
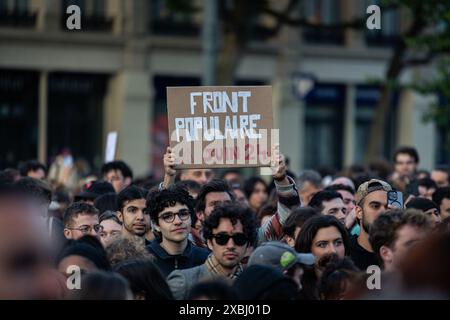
point(67, 233)
point(120, 216)
point(290, 241)
point(209, 244)
point(200, 215)
point(156, 227)
point(128, 181)
point(359, 212)
point(386, 254)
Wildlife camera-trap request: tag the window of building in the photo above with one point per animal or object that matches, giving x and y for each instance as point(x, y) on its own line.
point(390, 27)
point(75, 115)
point(93, 15)
point(18, 116)
point(16, 13)
point(324, 109)
point(159, 127)
point(366, 102)
point(167, 19)
point(322, 12)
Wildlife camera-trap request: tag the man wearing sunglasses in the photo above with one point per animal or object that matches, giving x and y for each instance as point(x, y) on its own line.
point(81, 219)
point(229, 230)
point(170, 211)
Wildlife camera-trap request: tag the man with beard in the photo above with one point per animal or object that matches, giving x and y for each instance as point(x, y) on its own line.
point(229, 230)
point(371, 201)
point(132, 214)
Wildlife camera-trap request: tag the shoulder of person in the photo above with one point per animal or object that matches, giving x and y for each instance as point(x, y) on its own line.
point(202, 253)
point(177, 284)
point(180, 281)
point(183, 274)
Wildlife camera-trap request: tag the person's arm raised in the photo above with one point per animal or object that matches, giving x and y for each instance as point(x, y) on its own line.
point(287, 200)
point(279, 168)
point(169, 169)
point(286, 190)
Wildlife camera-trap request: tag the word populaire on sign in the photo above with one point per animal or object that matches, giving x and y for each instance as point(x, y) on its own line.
point(220, 127)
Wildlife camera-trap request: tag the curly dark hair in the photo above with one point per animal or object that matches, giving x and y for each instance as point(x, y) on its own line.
point(157, 201)
point(337, 272)
point(234, 212)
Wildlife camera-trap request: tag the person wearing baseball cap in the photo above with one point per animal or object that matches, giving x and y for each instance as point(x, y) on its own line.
point(284, 258)
point(371, 201)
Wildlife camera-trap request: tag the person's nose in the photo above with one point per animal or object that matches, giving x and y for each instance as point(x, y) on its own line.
point(331, 249)
point(177, 220)
point(203, 179)
point(437, 219)
point(230, 244)
point(140, 215)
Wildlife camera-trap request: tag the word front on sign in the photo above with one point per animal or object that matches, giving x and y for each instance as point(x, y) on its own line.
point(212, 127)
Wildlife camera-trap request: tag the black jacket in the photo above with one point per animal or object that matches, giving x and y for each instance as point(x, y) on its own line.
point(191, 257)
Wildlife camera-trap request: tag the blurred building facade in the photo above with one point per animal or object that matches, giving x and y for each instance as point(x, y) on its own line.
point(68, 89)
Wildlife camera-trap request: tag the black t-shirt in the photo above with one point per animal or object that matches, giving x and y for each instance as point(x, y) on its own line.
point(360, 256)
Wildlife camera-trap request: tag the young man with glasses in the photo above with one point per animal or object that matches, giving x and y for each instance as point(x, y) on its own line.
point(229, 230)
point(81, 219)
point(171, 211)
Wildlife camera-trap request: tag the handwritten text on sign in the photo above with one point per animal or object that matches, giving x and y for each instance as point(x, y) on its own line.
point(214, 127)
point(234, 116)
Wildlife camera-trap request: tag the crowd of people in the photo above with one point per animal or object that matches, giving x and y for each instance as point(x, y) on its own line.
point(206, 234)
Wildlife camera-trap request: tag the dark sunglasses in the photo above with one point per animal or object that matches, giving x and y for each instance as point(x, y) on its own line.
point(222, 239)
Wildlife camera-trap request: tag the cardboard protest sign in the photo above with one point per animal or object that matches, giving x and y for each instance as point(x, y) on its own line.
point(111, 145)
point(221, 127)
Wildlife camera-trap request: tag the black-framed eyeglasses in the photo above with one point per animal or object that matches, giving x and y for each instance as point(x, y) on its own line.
point(222, 239)
point(85, 229)
point(169, 217)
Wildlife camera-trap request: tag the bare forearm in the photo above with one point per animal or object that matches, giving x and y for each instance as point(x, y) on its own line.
point(168, 181)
